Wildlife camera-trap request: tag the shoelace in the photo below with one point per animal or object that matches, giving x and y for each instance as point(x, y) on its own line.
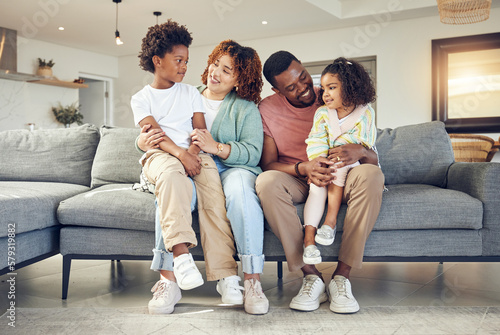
point(160, 288)
point(342, 287)
point(308, 286)
point(252, 291)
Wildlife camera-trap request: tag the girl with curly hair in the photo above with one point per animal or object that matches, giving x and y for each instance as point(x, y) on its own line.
point(232, 84)
point(345, 117)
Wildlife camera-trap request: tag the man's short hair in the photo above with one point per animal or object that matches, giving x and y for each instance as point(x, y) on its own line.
point(276, 64)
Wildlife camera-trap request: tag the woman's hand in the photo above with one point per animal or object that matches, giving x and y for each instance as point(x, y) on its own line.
point(204, 140)
point(149, 138)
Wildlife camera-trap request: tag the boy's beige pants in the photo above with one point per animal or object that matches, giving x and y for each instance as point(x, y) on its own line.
point(173, 192)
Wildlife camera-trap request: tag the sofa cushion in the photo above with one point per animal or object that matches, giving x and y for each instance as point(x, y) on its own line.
point(110, 206)
point(32, 205)
point(30, 245)
point(116, 159)
point(420, 207)
point(415, 154)
point(411, 206)
point(52, 155)
point(415, 243)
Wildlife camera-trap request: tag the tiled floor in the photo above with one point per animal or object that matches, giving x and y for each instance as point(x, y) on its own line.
point(128, 284)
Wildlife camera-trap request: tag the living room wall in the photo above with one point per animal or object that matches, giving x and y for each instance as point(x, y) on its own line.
point(402, 48)
point(23, 102)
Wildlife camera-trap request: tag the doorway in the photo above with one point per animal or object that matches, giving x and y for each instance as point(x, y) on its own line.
point(95, 101)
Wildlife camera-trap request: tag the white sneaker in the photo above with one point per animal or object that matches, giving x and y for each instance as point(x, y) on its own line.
point(166, 294)
point(186, 273)
point(325, 235)
point(311, 294)
point(311, 255)
point(255, 299)
point(341, 298)
point(230, 290)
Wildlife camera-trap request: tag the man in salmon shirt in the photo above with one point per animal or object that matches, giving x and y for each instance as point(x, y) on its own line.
point(287, 117)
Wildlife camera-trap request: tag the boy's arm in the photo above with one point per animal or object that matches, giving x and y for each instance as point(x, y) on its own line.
point(167, 144)
point(198, 123)
point(149, 138)
point(190, 162)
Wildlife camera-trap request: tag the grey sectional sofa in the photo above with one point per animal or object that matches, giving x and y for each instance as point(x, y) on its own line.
point(69, 191)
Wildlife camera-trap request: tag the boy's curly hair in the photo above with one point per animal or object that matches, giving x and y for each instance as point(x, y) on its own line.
point(357, 86)
point(161, 39)
point(247, 68)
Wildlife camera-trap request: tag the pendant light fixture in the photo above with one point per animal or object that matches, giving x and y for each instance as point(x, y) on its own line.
point(157, 14)
point(463, 11)
point(117, 33)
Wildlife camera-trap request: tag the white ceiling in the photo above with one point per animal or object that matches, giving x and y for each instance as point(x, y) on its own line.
point(90, 24)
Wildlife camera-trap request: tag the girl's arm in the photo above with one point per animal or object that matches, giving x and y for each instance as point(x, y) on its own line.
point(317, 141)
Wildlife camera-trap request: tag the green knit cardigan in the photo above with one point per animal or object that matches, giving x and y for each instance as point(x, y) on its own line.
point(239, 125)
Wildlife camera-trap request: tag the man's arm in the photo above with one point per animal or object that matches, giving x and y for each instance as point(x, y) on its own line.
point(350, 153)
point(317, 170)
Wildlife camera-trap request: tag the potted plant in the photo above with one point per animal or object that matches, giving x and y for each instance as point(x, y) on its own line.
point(45, 68)
point(68, 114)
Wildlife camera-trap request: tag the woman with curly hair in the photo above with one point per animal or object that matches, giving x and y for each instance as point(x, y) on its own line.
point(345, 117)
point(231, 88)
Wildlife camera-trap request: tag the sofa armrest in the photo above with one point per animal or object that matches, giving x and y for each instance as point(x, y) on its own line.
point(481, 181)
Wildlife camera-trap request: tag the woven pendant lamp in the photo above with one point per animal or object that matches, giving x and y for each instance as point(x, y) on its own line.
point(463, 11)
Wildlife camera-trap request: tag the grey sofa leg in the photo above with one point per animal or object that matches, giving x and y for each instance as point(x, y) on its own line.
point(66, 270)
point(280, 269)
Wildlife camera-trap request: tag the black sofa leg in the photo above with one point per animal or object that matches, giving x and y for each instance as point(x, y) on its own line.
point(280, 270)
point(66, 270)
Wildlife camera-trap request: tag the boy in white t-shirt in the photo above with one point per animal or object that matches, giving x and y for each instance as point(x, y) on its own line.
point(177, 109)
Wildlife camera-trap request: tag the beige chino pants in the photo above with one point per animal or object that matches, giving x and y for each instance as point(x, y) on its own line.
point(279, 191)
point(173, 192)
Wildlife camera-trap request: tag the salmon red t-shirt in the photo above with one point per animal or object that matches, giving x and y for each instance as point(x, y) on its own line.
point(289, 126)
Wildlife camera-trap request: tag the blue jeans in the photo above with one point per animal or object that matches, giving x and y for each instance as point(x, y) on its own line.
point(243, 211)
point(245, 214)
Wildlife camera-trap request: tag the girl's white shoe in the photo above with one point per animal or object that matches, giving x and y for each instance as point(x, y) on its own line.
point(311, 255)
point(325, 235)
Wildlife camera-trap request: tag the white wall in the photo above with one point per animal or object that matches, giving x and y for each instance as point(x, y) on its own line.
point(22, 102)
point(403, 50)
